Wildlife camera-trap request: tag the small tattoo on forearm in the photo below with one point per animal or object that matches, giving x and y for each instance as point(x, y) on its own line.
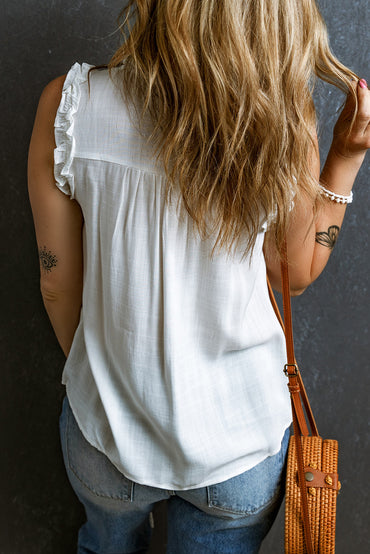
point(328, 238)
point(47, 259)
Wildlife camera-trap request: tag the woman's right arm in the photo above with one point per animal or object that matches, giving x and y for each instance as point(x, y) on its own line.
point(310, 241)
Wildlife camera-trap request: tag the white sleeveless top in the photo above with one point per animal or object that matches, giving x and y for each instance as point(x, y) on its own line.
point(176, 367)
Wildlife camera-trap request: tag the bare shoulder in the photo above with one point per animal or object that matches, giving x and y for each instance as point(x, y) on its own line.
point(52, 93)
point(42, 139)
point(57, 83)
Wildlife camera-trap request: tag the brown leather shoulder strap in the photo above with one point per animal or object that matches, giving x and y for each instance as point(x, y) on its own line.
point(291, 370)
point(303, 393)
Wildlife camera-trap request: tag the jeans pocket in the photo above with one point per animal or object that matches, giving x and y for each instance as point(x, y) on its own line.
point(87, 467)
point(253, 491)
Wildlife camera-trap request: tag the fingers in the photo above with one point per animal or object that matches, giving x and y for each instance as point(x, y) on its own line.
point(361, 126)
point(352, 141)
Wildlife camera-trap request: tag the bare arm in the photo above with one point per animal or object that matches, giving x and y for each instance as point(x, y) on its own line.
point(309, 242)
point(58, 224)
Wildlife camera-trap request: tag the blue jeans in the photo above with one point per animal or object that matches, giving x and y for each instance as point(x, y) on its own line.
point(229, 517)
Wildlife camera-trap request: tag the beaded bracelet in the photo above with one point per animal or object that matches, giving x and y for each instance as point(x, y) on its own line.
point(336, 197)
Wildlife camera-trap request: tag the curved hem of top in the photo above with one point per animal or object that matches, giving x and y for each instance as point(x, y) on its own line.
point(171, 486)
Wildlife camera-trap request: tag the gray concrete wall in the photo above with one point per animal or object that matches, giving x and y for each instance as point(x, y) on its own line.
point(39, 513)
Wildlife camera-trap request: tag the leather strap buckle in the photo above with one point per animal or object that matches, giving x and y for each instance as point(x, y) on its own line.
point(288, 373)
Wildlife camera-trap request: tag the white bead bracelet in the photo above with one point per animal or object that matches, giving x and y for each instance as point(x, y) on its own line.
point(336, 197)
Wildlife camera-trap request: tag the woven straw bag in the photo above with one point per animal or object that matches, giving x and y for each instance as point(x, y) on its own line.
point(321, 456)
point(312, 461)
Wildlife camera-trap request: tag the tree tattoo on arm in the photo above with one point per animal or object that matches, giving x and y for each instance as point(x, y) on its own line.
point(328, 238)
point(47, 259)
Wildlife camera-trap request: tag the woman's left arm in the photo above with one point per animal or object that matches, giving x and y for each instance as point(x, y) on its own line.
point(58, 224)
point(310, 240)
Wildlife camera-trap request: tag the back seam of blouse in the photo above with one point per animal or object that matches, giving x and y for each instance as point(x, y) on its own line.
point(127, 166)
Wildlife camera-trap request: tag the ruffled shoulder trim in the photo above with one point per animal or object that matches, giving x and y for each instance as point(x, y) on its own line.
point(64, 125)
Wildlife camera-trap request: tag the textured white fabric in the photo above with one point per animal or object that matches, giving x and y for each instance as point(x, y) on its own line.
point(175, 371)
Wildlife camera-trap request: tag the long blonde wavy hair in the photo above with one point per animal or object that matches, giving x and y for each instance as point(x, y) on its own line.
point(228, 85)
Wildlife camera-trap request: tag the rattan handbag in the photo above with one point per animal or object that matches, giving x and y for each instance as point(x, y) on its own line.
point(312, 461)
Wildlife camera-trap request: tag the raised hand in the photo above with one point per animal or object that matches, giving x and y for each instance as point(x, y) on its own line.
point(353, 143)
